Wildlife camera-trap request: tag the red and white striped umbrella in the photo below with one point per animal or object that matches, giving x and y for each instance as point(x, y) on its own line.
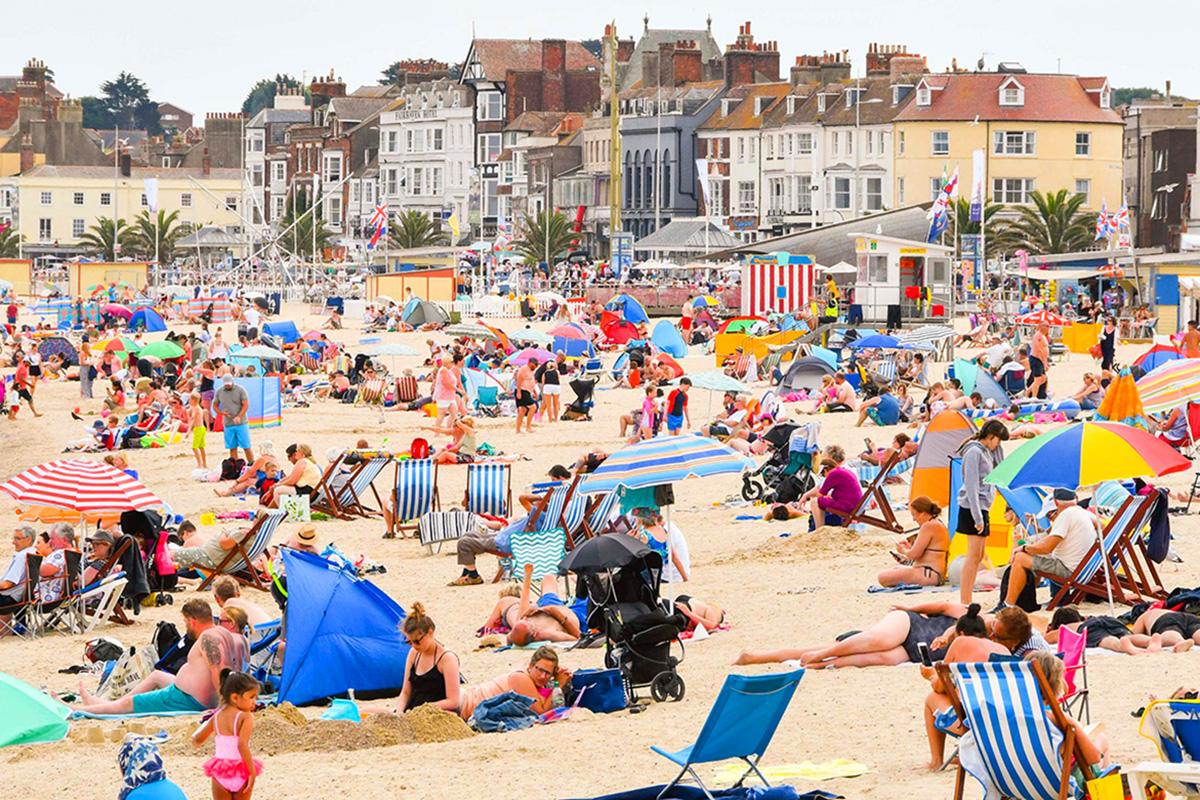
point(80, 485)
point(1043, 317)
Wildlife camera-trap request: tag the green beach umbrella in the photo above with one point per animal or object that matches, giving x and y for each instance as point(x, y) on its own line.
point(30, 716)
point(164, 350)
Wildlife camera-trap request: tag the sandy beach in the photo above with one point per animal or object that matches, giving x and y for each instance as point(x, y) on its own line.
point(778, 592)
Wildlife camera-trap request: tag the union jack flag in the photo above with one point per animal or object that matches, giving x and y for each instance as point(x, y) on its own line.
point(1121, 218)
point(378, 225)
point(1104, 220)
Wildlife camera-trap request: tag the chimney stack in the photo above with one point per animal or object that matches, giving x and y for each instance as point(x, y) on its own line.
point(26, 153)
point(126, 162)
point(206, 163)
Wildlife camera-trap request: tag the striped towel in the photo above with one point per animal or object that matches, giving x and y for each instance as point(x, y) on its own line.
point(543, 549)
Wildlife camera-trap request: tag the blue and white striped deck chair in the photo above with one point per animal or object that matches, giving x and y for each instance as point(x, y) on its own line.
point(740, 725)
point(489, 488)
point(600, 515)
point(1013, 746)
point(1174, 727)
point(350, 499)
point(1089, 578)
point(253, 543)
point(869, 472)
point(416, 491)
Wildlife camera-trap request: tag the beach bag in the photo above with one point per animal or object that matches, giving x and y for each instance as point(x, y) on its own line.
point(231, 468)
point(603, 690)
point(1095, 350)
point(295, 506)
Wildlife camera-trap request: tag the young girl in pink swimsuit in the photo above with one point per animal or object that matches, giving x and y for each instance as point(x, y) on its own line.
point(232, 769)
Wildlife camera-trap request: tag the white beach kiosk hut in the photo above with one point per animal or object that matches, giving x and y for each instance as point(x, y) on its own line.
point(902, 279)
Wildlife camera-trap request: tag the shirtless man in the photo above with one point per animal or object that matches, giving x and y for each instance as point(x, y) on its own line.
point(195, 687)
point(551, 620)
point(526, 404)
point(228, 594)
point(1179, 631)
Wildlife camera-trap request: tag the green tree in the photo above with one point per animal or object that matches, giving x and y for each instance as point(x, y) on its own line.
point(128, 98)
point(299, 237)
point(10, 241)
point(412, 229)
point(549, 233)
point(96, 114)
point(1127, 94)
point(262, 94)
point(393, 73)
point(1053, 223)
point(99, 238)
point(169, 232)
point(997, 240)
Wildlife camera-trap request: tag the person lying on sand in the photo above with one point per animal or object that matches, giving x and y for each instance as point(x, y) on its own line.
point(533, 681)
point(710, 615)
point(551, 620)
point(1178, 630)
point(1105, 632)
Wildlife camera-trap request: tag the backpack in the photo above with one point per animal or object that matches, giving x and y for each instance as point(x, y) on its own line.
point(172, 649)
point(231, 468)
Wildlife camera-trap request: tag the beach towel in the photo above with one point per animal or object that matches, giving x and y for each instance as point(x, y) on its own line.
point(504, 712)
point(683, 792)
point(837, 768)
point(78, 714)
point(910, 588)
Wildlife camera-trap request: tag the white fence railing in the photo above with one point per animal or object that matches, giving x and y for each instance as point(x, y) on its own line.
point(494, 307)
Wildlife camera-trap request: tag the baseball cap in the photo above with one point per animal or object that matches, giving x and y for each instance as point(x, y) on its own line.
point(227, 380)
point(1063, 495)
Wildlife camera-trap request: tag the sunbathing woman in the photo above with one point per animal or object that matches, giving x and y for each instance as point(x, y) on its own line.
point(533, 681)
point(1108, 633)
point(551, 620)
point(892, 640)
point(710, 615)
point(923, 558)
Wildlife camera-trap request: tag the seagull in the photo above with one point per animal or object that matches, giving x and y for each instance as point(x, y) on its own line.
point(975, 121)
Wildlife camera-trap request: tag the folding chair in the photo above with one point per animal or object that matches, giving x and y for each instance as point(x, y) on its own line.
point(253, 543)
point(407, 389)
point(543, 549)
point(1013, 744)
point(1174, 727)
point(24, 616)
point(439, 527)
point(487, 401)
point(416, 491)
point(1072, 649)
point(599, 515)
point(322, 498)
point(874, 493)
point(100, 602)
point(740, 725)
point(65, 616)
point(370, 392)
point(489, 488)
point(347, 501)
point(1089, 577)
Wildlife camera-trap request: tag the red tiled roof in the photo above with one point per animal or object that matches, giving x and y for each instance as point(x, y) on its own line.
point(743, 116)
point(1048, 98)
point(498, 56)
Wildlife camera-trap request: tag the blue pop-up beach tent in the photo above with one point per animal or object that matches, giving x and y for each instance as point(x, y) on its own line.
point(282, 329)
point(343, 633)
point(147, 319)
point(667, 339)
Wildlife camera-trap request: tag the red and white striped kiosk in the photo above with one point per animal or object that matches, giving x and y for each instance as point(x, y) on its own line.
point(776, 283)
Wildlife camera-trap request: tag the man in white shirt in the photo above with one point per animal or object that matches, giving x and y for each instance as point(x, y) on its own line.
point(253, 319)
point(1058, 553)
point(12, 583)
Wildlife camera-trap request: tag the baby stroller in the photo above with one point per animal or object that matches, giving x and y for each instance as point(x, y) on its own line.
point(148, 530)
point(787, 472)
point(581, 407)
point(620, 576)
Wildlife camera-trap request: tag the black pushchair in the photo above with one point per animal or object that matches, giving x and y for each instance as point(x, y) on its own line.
point(581, 407)
point(620, 576)
point(785, 475)
point(148, 530)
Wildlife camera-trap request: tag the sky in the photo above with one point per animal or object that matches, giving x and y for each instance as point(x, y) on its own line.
point(207, 58)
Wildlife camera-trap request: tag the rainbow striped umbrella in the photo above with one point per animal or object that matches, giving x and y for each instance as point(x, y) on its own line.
point(1170, 385)
point(1086, 454)
point(665, 459)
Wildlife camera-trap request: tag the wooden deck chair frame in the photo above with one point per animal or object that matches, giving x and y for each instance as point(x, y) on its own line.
point(1069, 745)
point(323, 498)
point(874, 491)
point(591, 528)
point(239, 551)
point(473, 469)
point(542, 506)
point(435, 500)
point(353, 505)
point(1133, 550)
point(1072, 589)
point(25, 619)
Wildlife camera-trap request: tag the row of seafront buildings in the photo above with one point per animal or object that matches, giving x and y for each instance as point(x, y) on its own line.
point(526, 125)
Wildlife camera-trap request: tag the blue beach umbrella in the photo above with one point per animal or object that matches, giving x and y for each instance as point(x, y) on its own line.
point(665, 459)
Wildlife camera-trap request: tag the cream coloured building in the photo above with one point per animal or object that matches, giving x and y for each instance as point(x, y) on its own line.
point(56, 205)
point(1038, 132)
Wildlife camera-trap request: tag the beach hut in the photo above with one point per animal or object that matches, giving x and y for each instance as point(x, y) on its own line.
point(931, 471)
point(437, 284)
point(901, 278)
point(343, 633)
point(148, 320)
point(667, 339)
point(778, 282)
point(805, 374)
point(282, 329)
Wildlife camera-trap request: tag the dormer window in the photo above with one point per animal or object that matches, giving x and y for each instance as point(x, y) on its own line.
point(791, 105)
point(924, 95)
point(727, 105)
point(1012, 93)
point(1106, 98)
point(899, 92)
point(820, 104)
point(852, 96)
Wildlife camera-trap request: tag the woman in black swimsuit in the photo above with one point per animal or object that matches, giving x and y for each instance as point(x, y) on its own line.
point(431, 670)
point(892, 640)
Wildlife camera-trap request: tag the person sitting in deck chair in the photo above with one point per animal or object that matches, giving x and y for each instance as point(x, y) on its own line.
point(1058, 553)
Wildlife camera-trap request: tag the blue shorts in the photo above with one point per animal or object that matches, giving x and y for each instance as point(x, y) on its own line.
point(578, 607)
point(237, 436)
point(674, 422)
point(169, 698)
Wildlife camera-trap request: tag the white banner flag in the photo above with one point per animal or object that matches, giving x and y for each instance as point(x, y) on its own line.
point(978, 176)
point(702, 174)
point(150, 186)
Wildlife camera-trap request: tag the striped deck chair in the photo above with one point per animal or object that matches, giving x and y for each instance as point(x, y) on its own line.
point(407, 389)
point(416, 491)
point(1013, 746)
point(1174, 727)
point(252, 544)
point(362, 480)
point(600, 514)
point(322, 495)
point(489, 488)
point(875, 499)
point(438, 527)
point(371, 392)
point(869, 472)
point(1088, 579)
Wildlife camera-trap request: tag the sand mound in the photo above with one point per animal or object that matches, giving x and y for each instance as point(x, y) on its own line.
point(825, 542)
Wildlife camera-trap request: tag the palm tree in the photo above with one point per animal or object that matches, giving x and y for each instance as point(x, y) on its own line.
point(1053, 224)
point(168, 233)
point(299, 237)
point(998, 239)
point(415, 229)
point(99, 238)
point(10, 242)
point(552, 229)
